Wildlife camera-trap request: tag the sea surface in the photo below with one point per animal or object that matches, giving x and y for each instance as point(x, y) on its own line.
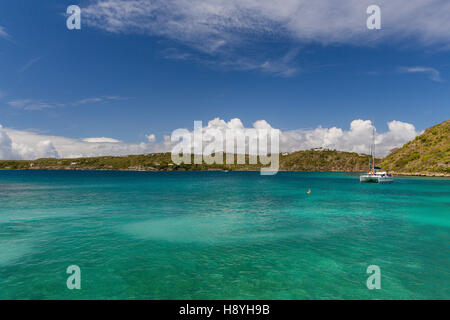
point(218, 235)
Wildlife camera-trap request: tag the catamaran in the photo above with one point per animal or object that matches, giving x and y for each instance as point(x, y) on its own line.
point(373, 175)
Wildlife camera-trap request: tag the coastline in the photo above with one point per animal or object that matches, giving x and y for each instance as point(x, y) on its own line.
point(421, 174)
point(396, 174)
point(300, 161)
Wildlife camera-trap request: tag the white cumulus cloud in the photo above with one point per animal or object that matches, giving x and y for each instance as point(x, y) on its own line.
point(43, 149)
point(151, 137)
point(26, 145)
point(357, 139)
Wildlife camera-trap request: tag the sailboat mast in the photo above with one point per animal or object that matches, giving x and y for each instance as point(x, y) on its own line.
point(373, 148)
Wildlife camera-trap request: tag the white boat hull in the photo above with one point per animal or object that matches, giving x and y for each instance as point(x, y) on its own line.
point(376, 179)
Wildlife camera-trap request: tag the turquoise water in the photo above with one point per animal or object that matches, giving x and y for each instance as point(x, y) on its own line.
point(215, 235)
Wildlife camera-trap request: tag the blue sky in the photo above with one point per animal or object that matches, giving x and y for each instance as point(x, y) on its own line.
point(124, 78)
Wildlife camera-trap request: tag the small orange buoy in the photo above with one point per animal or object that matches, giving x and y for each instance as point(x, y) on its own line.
point(309, 192)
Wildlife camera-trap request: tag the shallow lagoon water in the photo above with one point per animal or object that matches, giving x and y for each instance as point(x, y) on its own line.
point(217, 235)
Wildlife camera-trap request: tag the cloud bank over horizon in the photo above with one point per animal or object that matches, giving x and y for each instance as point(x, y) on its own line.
point(26, 145)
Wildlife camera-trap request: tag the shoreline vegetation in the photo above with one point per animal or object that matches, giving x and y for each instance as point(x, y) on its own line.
point(302, 161)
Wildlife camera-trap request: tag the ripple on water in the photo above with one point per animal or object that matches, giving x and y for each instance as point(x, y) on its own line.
point(12, 250)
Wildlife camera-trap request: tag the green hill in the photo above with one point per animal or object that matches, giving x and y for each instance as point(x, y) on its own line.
point(324, 160)
point(427, 154)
